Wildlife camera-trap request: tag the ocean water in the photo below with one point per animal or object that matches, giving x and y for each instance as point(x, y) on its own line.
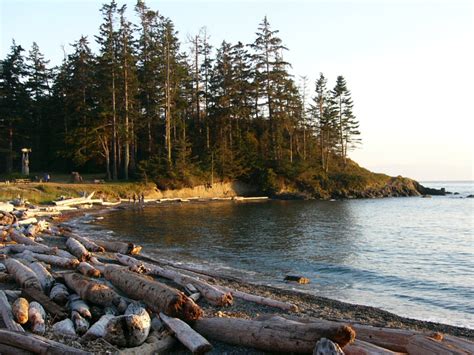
point(410, 256)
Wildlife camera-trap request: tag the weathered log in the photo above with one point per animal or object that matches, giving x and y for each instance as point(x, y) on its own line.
point(422, 344)
point(97, 330)
point(77, 249)
point(59, 294)
point(327, 347)
point(461, 343)
point(37, 317)
point(89, 244)
point(76, 304)
point(155, 344)
point(55, 310)
point(93, 291)
point(65, 328)
point(20, 310)
point(120, 247)
point(57, 260)
point(88, 270)
point(19, 238)
point(74, 201)
point(159, 297)
point(7, 315)
point(30, 220)
point(129, 330)
point(97, 264)
point(211, 293)
point(37, 344)
point(24, 276)
point(64, 254)
point(272, 336)
point(186, 335)
point(44, 276)
point(360, 347)
point(41, 249)
point(80, 324)
point(392, 339)
point(286, 306)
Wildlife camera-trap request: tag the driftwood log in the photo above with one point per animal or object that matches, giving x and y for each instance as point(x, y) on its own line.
point(19, 238)
point(41, 249)
point(7, 315)
point(65, 328)
point(97, 330)
point(195, 342)
point(36, 344)
point(89, 244)
point(20, 310)
point(211, 293)
point(272, 336)
point(87, 269)
point(119, 247)
point(360, 347)
point(75, 303)
point(80, 323)
point(94, 292)
point(159, 297)
point(422, 344)
point(44, 276)
point(67, 263)
point(24, 276)
point(37, 317)
point(77, 249)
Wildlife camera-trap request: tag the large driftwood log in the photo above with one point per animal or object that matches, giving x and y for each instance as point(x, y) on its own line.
point(94, 292)
point(37, 344)
point(7, 315)
point(41, 249)
point(89, 244)
point(53, 309)
point(44, 276)
point(20, 310)
point(211, 293)
point(24, 276)
point(87, 269)
point(422, 344)
point(129, 330)
point(16, 236)
point(77, 249)
point(272, 336)
point(186, 335)
point(59, 261)
point(119, 247)
point(157, 296)
point(75, 201)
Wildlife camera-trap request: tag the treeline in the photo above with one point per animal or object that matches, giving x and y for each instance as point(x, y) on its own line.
point(143, 107)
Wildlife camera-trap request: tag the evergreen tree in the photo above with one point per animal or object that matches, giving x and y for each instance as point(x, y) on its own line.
point(347, 124)
point(14, 103)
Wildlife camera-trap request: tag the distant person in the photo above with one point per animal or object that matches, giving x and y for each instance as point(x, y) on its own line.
point(46, 177)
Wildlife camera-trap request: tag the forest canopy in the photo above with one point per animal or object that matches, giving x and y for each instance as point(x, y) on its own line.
point(143, 107)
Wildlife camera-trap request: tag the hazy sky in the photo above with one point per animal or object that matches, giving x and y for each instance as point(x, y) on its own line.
point(409, 64)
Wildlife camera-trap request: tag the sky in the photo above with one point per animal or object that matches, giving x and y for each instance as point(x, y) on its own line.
point(408, 64)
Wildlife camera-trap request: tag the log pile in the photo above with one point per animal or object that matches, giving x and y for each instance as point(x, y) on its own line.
point(79, 291)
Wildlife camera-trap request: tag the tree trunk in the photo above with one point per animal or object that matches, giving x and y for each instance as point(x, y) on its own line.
point(196, 343)
point(159, 297)
point(272, 336)
point(24, 276)
point(7, 315)
point(77, 249)
point(168, 102)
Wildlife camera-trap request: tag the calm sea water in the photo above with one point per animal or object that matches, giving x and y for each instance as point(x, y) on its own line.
point(411, 256)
